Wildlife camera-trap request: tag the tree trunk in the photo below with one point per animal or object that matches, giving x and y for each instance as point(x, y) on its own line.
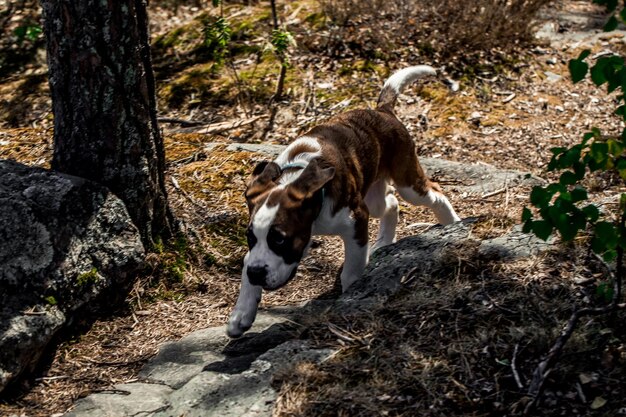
point(104, 104)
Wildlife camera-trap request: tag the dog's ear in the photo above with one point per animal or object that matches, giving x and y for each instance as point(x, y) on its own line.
point(263, 176)
point(314, 177)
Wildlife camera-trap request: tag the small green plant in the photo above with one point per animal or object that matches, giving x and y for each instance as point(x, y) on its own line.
point(51, 300)
point(217, 35)
point(31, 32)
point(89, 277)
point(281, 40)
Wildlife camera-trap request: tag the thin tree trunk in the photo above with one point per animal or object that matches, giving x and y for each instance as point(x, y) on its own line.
point(104, 104)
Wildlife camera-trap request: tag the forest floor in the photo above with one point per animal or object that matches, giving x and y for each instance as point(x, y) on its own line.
point(509, 112)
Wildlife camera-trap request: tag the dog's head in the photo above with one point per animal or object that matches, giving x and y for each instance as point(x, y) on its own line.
point(281, 219)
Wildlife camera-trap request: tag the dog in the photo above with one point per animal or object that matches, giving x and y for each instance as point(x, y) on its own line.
point(329, 182)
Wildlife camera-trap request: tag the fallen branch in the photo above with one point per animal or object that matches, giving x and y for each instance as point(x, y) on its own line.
point(221, 127)
point(182, 122)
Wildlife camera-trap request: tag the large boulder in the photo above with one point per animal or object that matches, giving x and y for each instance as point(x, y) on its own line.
point(66, 244)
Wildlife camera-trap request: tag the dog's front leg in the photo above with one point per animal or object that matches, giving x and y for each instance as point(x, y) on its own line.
point(243, 315)
point(356, 248)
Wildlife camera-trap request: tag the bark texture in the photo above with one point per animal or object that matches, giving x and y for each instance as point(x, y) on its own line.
point(104, 104)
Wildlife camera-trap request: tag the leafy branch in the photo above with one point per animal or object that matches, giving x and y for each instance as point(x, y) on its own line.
point(564, 206)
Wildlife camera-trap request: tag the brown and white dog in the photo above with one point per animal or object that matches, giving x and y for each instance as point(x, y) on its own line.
point(328, 182)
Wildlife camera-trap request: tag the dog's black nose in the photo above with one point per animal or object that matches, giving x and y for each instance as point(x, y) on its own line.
point(257, 274)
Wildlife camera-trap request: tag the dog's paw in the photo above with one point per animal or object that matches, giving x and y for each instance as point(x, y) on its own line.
point(381, 243)
point(240, 321)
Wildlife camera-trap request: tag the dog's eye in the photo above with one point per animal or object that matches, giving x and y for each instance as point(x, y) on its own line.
point(276, 237)
point(250, 237)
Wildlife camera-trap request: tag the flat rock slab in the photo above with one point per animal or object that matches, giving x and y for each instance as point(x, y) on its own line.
point(465, 179)
point(207, 374)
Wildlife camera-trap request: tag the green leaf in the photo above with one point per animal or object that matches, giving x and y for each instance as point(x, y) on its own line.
point(609, 4)
point(597, 72)
point(599, 151)
point(542, 229)
point(539, 196)
point(526, 214)
point(568, 178)
point(621, 168)
point(592, 212)
point(611, 24)
point(578, 194)
point(615, 147)
point(579, 170)
point(577, 69)
point(584, 54)
point(605, 291)
point(609, 255)
point(605, 237)
point(33, 33)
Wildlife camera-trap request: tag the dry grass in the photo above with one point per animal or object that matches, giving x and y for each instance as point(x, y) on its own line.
point(444, 28)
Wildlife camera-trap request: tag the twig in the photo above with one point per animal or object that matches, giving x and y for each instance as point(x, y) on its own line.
point(182, 122)
point(581, 394)
point(496, 192)
point(509, 98)
point(222, 127)
point(186, 194)
point(51, 378)
point(518, 380)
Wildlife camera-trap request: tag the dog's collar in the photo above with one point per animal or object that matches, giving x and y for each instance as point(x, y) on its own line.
point(296, 164)
point(302, 165)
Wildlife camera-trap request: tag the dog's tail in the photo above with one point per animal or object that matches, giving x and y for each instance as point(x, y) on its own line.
point(398, 82)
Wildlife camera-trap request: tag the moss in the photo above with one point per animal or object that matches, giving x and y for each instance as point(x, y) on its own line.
point(196, 81)
point(317, 20)
point(174, 261)
point(171, 38)
point(89, 277)
point(228, 239)
point(170, 295)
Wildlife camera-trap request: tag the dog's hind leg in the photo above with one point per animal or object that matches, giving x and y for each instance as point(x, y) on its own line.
point(415, 188)
point(433, 199)
point(382, 204)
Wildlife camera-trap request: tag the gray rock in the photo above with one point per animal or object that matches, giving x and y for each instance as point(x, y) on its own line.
point(64, 244)
point(178, 362)
point(513, 245)
point(552, 77)
point(424, 254)
point(139, 399)
point(207, 374)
